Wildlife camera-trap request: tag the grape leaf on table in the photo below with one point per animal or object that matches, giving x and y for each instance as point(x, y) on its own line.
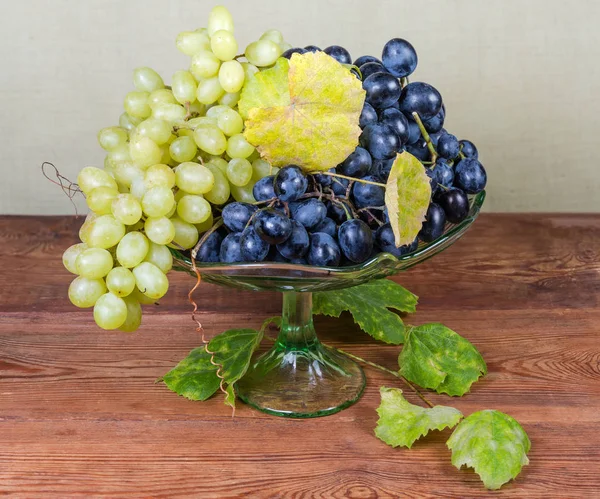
point(195, 377)
point(369, 303)
point(493, 444)
point(407, 196)
point(304, 111)
point(401, 423)
point(436, 357)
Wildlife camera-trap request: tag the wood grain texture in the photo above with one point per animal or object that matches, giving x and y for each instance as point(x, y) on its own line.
point(81, 416)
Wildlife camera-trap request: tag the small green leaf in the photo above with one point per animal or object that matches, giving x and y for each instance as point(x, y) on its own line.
point(369, 304)
point(407, 196)
point(232, 351)
point(436, 357)
point(194, 377)
point(401, 423)
point(493, 444)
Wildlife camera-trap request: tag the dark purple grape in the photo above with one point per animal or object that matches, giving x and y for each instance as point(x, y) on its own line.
point(237, 215)
point(380, 140)
point(366, 195)
point(382, 89)
point(421, 98)
point(371, 68)
point(448, 146)
point(253, 248)
point(310, 212)
point(340, 54)
point(272, 226)
point(455, 204)
point(399, 57)
point(470, 176)
point(356, 240)
point(357, 164)
point(367, 116)
point(296, 50)
point(328, 226)
point(263, 189)
point(230, 251)
point(397, 121)
point(364, 59)
point(433, 227)
point(384, 238)
point(312, 48)
point(297, 244)
point(290, 183)
point(468, 149)
point(323, 251)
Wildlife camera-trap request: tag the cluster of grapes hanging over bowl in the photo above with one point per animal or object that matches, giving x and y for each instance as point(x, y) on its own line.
point(179, 171)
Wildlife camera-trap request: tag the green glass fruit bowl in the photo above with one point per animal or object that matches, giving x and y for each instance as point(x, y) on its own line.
point(299, 377)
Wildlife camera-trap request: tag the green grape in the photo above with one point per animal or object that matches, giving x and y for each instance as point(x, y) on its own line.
point(84, 292)
point(262, 53)
point(120, 281)
point(138, 188)
point(120, 153)
point(132, 249)
point(193, 209)
point(91, 177)
point(197, 108)
point(230, 99)
point(183, 149)
point(70, 255)
point(129, 122)
point(209, 90)
point(147, 80)
point(160, 174)
point(218, 19)
point(183, 85)
point(94, 263)
point(254, 156)
point(159, 230)
point(126, 172)
point(136, 104)
point(160, 256)
point(274, 35)
point(134, 315)
point(243, 194)
point(192, 42)
point(204, 64)
point(166, 154)
point(104, 232)
point(100, 199)
point(144, 152)
point(84, 230)
point(158, 201)
point(110, 311)
point(260, 169)
point(194, 178)
point(210, 139)
point(219, 194)
point(221, 163)
point(173, 113)
point(249, 70)
point(285, 46)
point(172, 211)
point(158, 131)
point(150, 280)
point(206, 225)
point(126, 209)
point(230, 122)
point(140, 297)
point(214, 112)
point(162, 96)
point(186, 234)
point(239, 172)
point(201, 121)
point(224, 45)
point(238, 146)
point(112, 137)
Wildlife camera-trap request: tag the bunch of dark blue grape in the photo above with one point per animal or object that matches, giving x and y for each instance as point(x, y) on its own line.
point(326, 220)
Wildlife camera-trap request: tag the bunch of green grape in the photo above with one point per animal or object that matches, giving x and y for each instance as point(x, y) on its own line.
point(177, 151)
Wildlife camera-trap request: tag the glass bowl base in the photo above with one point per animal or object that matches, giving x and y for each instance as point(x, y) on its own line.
point(307, 382)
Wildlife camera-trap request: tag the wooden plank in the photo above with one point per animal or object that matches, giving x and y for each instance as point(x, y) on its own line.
point(81, 416)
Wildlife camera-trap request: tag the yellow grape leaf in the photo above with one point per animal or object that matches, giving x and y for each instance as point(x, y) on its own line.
point(303, 112)
point(407, 196)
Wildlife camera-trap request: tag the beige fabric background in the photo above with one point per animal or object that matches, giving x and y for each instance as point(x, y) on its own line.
point(521, 78)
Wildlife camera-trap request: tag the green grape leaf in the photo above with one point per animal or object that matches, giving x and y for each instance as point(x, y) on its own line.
point(195, 377)
point(401, 423)
point(407, 196)
point(304, 111)
point(436, 357)
point(232, 351)
point(369, 303)
point(493, 444)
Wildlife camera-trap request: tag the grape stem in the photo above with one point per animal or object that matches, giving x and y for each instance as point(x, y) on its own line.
point(362, 181)
point(426, 137)
point(385, 369)
point(403, 81)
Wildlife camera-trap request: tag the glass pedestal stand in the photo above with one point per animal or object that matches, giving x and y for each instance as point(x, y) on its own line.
point(299, 377)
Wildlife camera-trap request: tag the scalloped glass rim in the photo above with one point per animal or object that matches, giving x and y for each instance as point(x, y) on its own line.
point(295, 277)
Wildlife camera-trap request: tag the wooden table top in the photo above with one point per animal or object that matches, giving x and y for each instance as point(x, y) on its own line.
point(81, 416)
